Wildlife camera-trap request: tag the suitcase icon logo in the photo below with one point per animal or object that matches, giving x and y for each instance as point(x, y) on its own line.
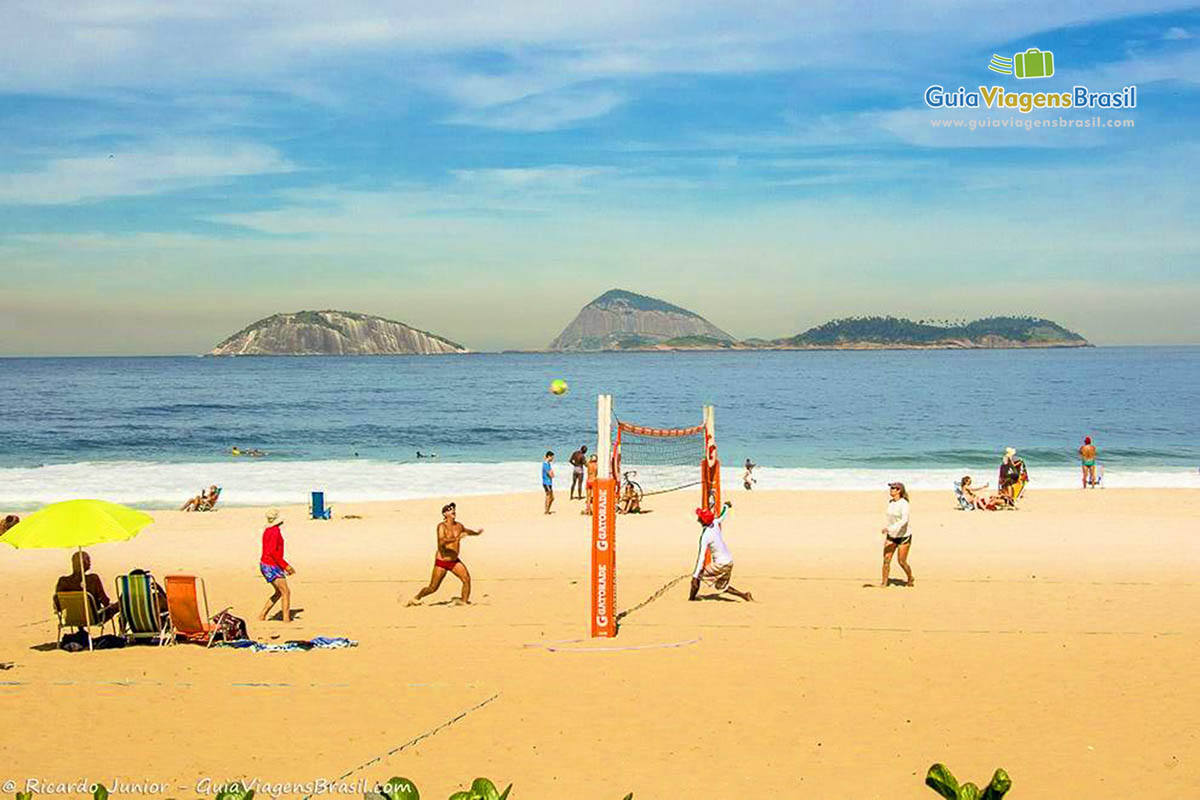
point(1033, 63)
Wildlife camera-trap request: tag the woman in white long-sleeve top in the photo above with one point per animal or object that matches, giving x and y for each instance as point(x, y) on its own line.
point(896, 538)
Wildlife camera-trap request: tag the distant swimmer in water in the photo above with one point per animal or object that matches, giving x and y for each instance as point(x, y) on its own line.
point(426, 455)
point(255, 453)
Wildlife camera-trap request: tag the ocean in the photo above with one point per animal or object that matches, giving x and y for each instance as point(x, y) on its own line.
point(151, 432)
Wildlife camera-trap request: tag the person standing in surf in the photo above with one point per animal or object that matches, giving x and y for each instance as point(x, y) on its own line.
point(1087, 462)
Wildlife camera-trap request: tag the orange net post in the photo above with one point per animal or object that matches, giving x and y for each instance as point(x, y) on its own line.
point(604, 558)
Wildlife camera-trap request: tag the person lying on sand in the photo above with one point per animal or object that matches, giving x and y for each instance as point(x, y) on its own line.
point(719, 570)
point(449, 538)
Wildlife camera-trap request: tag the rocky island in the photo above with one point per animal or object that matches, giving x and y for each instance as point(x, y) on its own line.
point(621, 320)
point(332, 333)
point(879, 333)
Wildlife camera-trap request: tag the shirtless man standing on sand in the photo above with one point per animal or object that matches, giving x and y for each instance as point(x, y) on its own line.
point(1087, 462)
point(449, 536)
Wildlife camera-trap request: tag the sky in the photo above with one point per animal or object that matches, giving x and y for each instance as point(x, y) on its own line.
point(172, 171)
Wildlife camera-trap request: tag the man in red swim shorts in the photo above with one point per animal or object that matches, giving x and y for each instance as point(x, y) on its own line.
point(449, 536)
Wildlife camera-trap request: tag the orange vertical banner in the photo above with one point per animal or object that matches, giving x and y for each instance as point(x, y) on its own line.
point(604, 558)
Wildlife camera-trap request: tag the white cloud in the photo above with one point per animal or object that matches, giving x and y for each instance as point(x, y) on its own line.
point(545, 112)
point(1176, 33)
point(152, 169)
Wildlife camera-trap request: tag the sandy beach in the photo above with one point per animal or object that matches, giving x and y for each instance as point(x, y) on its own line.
point(1058, 641)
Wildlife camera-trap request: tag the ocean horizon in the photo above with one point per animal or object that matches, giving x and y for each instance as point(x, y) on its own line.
point(150, 431)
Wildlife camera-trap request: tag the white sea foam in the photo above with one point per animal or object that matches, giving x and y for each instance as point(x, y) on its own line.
point(266, 482)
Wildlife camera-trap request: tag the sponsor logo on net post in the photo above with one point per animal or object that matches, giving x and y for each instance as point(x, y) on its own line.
point(602, 512)
point(1033, 64)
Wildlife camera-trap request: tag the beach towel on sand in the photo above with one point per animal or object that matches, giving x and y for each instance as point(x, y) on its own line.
point(319, 642)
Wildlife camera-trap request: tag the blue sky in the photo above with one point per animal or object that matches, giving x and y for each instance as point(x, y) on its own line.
point(171, 171)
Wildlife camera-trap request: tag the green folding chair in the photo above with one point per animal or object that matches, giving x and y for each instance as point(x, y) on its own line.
point(139, 601)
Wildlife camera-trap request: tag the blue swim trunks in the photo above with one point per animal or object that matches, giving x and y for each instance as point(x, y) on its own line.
point(270, 572)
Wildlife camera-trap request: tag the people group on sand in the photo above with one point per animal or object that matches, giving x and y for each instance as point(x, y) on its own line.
point(450, 533)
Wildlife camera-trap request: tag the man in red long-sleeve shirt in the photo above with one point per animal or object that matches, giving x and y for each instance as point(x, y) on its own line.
point(274, 568)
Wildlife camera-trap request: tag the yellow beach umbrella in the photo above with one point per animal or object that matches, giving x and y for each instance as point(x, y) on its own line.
point(76, 523)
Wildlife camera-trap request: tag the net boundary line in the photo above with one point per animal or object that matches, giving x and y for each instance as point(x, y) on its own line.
point(662, 590)
point(411, 742)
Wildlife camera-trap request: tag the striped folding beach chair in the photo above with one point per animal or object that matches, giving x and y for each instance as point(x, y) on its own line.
point(140, 617)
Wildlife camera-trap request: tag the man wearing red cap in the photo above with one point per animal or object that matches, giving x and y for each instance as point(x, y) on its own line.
point(720, 569)
point(1087, 461)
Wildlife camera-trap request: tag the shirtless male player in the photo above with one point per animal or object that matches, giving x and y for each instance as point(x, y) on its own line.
point(449, 535)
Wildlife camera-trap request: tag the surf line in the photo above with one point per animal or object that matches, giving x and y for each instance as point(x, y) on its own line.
point(415, 740)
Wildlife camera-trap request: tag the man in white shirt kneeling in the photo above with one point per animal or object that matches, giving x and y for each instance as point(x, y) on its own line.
point(719, 570)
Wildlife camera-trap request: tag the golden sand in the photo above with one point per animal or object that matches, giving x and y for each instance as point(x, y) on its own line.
point(1059, 641)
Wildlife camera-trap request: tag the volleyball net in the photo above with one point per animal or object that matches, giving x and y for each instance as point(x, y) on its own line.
point(658, 460)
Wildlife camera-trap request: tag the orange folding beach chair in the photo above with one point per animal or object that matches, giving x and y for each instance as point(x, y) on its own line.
point(189, 617)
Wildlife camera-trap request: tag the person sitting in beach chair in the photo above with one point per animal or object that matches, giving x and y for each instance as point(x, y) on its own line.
point(144, 612)
point(81, 563)
point(970, 499)
point(209, 500)
point(630, 503)
point(194, 503)
point(8, 522)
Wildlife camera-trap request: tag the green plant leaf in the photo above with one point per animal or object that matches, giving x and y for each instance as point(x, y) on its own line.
point(100, 793)
point(463, 795)
point(942, 781)
point(234, 791)
point(24, 795)
point(483, 789)
point(504, 794)
point(999, 786)
point(968, 791)
point(629, 796)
